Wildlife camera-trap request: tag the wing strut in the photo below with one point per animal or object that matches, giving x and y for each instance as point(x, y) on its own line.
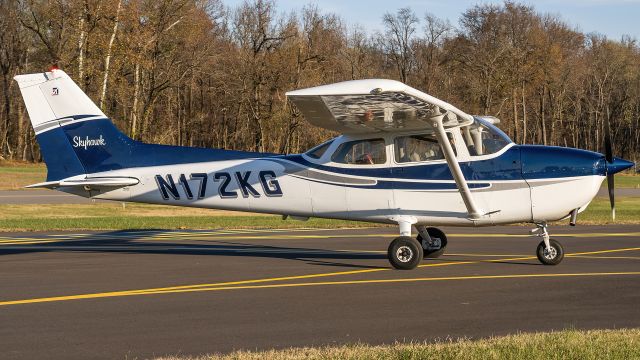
point(452, 161)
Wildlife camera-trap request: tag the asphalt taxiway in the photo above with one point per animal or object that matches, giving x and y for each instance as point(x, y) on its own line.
point(141, 294)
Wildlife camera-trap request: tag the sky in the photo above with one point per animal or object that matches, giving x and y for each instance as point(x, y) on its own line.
point(613, 18)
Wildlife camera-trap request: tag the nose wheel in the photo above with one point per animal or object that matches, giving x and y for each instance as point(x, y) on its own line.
point(549, 251)
point(551, 256)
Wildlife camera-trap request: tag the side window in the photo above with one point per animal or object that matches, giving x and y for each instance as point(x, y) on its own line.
point(423, 147)
point(361, 152)
point(319, 150)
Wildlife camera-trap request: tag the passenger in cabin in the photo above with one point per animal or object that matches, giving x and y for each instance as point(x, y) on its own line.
point(416, 148)
point(416, 152)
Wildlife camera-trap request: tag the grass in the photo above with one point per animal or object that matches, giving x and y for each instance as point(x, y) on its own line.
point(164, 223)
point(599, 211)
point(567, 344)
point(16, 175)
point(113, 216)
point(625, 181)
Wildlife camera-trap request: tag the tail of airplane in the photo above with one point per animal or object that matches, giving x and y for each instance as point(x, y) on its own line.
point(77, 138)
point(73, 133)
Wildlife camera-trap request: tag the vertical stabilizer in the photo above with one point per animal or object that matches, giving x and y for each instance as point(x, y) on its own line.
point(53, 100)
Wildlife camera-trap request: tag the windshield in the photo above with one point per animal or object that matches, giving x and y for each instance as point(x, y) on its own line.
point(318, 151)
point(484, 138)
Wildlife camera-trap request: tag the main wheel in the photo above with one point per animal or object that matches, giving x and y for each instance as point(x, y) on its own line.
point(405, 253)
point(550, 257)
point(436, 249)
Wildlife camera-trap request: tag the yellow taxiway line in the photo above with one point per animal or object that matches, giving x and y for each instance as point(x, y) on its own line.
point(402, 280)
point(607, 257)
point(244, 284)
point(323, 283)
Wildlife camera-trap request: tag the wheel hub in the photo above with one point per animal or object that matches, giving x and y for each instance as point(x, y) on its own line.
point(404, 254)
point(550, 254)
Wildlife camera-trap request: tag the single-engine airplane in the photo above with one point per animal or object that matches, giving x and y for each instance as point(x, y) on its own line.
point(404, 157)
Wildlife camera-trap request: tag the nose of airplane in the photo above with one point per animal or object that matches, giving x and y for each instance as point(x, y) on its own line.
point(618, 165)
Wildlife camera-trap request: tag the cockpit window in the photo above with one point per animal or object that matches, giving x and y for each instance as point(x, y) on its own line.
point(482, 138)
point(423, 147)
point(319, 150)
point(361, 152)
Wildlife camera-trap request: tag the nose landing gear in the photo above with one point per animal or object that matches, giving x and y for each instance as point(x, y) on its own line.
point(549, 251)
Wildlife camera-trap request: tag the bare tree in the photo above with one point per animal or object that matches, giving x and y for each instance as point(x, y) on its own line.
point(397, 41)
point(107, 57)
point(194, 72)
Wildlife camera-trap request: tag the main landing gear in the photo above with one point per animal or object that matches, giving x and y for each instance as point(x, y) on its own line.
point(550, 251)
point(405, 252)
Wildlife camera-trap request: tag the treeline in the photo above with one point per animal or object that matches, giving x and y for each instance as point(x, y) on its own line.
point(198, 73)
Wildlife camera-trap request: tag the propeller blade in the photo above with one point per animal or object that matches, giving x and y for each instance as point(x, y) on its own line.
point(608, 154)
point(612, 200)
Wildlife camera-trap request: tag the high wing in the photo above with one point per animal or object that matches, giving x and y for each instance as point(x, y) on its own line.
point(374, 105)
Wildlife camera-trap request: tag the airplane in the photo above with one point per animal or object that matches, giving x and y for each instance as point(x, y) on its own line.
point(403, 158)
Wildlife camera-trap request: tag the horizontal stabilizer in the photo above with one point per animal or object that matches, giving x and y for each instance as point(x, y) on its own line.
point(99, 182)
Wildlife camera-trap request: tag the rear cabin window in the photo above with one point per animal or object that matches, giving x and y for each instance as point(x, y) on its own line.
point(423, 147)
point(319, 150)
point(361, 152)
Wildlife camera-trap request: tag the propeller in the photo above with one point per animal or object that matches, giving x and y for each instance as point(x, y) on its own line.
point(608, 155)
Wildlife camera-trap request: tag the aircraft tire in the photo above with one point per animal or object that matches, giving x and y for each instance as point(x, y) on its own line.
point(405, 253)
point(556, 256)
point(436, 233)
